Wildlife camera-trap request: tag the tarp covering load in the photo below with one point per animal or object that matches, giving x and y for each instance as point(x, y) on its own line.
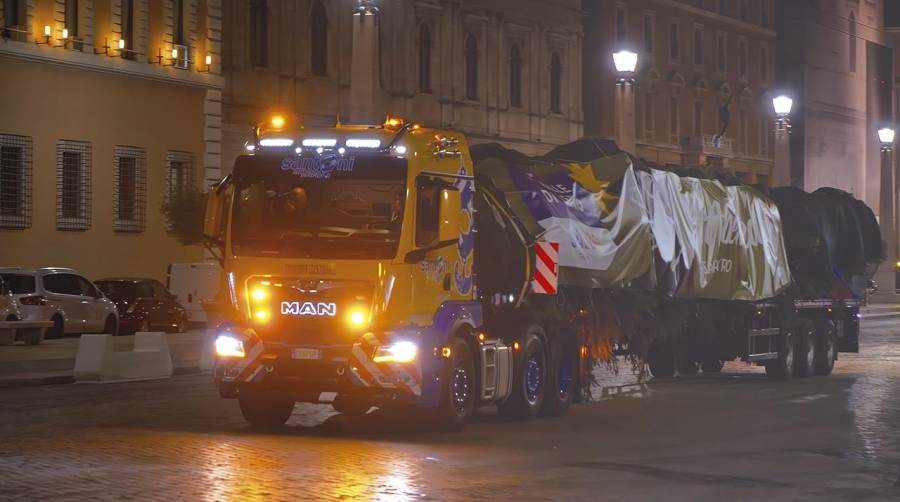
point(833, 240)
point(619, 226)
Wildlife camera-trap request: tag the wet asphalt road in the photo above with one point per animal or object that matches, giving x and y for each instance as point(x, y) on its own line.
point(733, 436)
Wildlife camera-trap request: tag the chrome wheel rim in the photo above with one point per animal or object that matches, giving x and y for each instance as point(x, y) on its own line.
point(533, 379)
point(460, 389)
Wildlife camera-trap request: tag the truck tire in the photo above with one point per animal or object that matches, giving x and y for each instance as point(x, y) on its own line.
point(782, 367)
point(661, 360)
point(458, 389)
point(826, 347)
point(806, 350)
point(562, 378)
point(529, 379)
point(265, 411)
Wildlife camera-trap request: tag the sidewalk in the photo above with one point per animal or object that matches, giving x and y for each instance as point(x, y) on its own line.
point(53, 361)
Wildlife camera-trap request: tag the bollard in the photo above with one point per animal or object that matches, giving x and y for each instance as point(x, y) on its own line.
point(98, 362)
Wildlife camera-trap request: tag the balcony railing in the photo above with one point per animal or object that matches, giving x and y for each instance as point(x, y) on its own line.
point(709, 144)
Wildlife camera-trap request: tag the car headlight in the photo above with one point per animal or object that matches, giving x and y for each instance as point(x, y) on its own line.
point(398, 352)
point(229, 346)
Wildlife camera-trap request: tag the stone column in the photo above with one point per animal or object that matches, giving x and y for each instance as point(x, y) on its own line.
point(364, 67)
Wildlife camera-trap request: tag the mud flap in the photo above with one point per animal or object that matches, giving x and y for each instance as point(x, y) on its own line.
point(848, 333)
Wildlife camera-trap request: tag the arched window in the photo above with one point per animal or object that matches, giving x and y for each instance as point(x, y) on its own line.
point(424, 58)
point(318, 19)
point(515, 76)
point(852, 32)
point(555, 83)
point(471, 67)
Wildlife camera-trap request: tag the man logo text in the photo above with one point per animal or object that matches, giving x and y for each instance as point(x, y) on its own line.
point(308, 308)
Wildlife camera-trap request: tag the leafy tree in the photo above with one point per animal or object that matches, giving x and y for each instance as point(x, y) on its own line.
point(184, 213)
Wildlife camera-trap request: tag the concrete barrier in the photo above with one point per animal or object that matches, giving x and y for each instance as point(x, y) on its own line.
point(97, 361)
point(27, 332)
point(208, 351)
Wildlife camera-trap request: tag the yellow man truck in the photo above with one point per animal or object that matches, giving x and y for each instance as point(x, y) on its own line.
point(380, 266)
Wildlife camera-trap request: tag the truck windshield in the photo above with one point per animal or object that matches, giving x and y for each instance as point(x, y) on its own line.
point(327, 206)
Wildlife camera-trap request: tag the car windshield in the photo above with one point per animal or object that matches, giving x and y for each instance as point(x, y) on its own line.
point(19, 284)
point(118, 289)
point(327, 206)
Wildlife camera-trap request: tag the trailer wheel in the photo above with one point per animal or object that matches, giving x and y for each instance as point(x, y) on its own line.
point(265, 411)
point(782, 367)
point(661, 360)
point(529, 379)
point(458, 388)
point(562, 381)
point(806, 350)
point(826, 347)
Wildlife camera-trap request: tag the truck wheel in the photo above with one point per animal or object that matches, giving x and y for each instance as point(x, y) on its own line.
point(458, 388)
point(351, 406)
point(713, 366)
point(806, 350)
point(783, 367)
point(826, 348)
point(562, 381)
point(265, 411)
point(661, 360)
point(529, 379)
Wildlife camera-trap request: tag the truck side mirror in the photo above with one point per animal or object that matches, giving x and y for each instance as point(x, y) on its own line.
point(450, 215)
point(212, 221)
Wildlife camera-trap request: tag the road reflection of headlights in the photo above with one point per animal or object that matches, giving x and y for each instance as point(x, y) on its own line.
point(398, 352)
point(229, 346)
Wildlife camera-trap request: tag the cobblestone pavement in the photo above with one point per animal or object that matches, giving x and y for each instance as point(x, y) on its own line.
point(733, 436)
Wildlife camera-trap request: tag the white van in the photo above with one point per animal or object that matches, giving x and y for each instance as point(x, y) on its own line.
point(194, 283)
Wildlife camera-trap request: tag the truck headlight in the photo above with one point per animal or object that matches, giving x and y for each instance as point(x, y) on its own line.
point(229, 346)
point(398, 352)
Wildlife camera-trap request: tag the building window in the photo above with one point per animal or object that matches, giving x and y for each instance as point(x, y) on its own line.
point(555, 83)
point(721, 53)
point(73, 185)
point(515, 76)
point(674, 41)
point(852, 34)
point(471, 67)
point(128, 28)
point(179, 173)
point(15, 181)
point(742, 59)
point(648, 33)
point(674, 121)
point(698, 46)
point(649, 114)
point(764, 63)
point(129, 189)
point(319, 39)
point(178, 22)
point(620, 24)
point(424, 58)
point(259, 33)
point(698, 119)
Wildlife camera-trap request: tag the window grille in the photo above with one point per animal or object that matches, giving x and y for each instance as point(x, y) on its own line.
point(179, 173)
point(129, 189)
point(73, 185)
point(15, 181)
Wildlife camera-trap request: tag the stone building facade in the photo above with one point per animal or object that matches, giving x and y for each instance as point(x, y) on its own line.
point(500, 70)
point(100, 123)
point(698, 60)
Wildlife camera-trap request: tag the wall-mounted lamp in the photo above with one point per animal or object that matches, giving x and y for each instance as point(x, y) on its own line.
point(208, 64)
point(47, 32)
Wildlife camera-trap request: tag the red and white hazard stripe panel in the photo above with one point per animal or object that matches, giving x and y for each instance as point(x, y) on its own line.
point(546, 271)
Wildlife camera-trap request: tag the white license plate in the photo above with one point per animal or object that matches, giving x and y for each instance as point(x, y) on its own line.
point(314, 354)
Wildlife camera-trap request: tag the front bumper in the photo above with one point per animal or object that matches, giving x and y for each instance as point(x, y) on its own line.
point(341, 369)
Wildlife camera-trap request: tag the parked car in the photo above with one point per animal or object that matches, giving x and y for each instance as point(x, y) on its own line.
point(9, 307)
point(144, 305)
point(64, 297)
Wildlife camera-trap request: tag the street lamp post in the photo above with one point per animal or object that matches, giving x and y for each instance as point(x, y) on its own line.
point(782, 172)
point(626, 63)
point(886, 136)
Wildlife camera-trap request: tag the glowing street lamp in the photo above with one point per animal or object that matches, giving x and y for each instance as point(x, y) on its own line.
point(886, 136)
point(783, 106)
point(626, 63)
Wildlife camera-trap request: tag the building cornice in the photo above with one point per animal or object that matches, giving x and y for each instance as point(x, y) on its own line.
point(719, 18)
point(112, 65)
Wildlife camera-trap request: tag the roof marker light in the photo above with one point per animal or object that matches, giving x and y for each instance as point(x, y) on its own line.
point(320, 150)
point(298, 150)
point(363, 143)
point(282, 142)
point(342, 150)
point(320, 142)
